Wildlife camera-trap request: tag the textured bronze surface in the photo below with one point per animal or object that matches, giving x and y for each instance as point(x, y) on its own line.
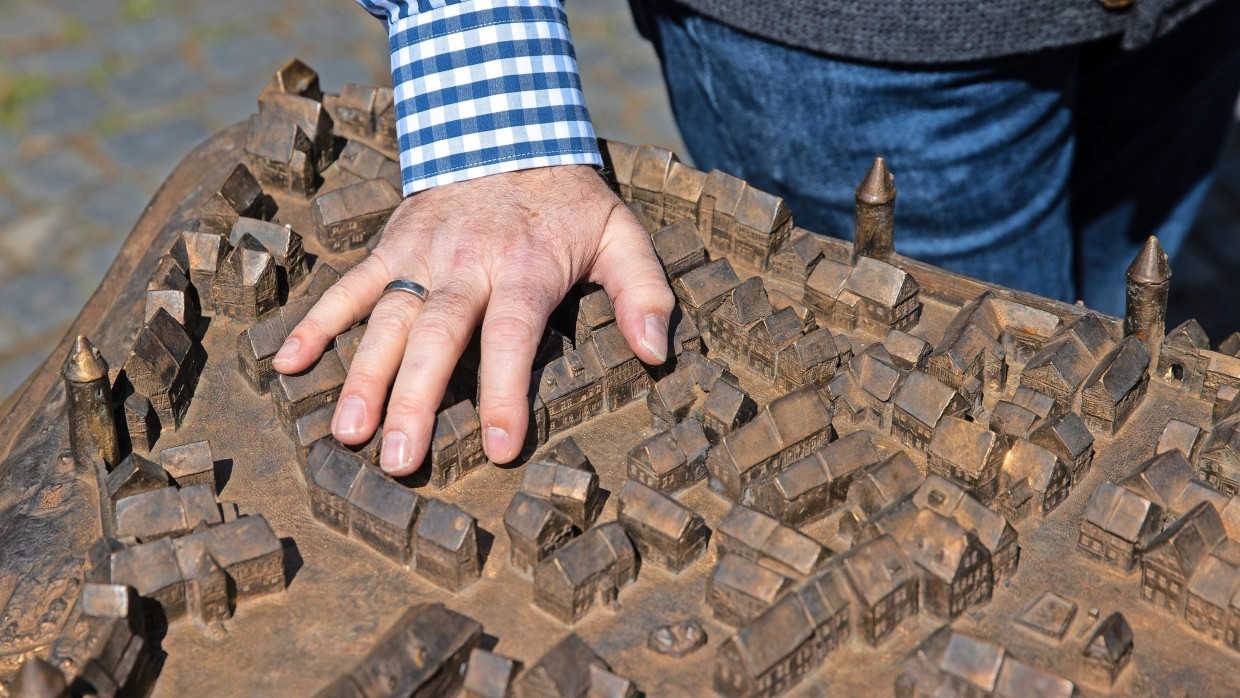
point(858, 474)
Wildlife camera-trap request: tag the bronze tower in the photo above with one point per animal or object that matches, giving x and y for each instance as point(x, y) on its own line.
point(1146, 313)
point(92, 429)
point(873, 232)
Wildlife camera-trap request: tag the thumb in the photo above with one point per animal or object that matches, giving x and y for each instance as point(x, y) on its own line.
point(629, 271)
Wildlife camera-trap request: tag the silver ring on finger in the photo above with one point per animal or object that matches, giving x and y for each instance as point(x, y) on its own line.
point(407, 286)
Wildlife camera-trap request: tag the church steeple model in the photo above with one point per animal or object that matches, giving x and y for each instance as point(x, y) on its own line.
point(1146, 313)
point(873, 231)
point(92, 428)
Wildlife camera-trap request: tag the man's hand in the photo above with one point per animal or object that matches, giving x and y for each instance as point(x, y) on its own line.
point(503, 249)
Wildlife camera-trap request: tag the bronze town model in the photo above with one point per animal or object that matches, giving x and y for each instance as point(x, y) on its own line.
point(858, 474)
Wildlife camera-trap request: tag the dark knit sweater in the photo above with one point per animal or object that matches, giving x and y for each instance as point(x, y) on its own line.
point(940, 31)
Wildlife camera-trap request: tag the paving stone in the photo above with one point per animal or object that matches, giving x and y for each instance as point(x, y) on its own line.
point(117, 205)
point(68, 62)
point(144, 36)
point(41, 300)
point(162, 78)
point(26, 241)
point(155, 149)
point(66, 110)
point(53, 175)
point(226, 108)
point(93, 259)
point(8, 210)
point(253, 56)
point(14, 371)
point(27, 22)
point(337, 23)
point(99, 14)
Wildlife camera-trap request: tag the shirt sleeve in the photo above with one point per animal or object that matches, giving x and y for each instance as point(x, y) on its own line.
point(482, 87)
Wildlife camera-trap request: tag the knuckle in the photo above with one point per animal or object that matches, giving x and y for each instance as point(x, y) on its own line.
point(406, 408)
point(509, 330)
point(502, 404)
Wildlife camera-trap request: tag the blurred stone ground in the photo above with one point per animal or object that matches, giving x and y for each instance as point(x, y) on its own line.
point(99, 99)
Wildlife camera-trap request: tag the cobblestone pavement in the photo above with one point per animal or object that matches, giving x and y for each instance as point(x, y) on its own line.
point(100, 99)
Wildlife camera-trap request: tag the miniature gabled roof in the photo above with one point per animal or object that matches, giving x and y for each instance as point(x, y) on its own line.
point(1064, 358)
point(779, 329)
point(309, 115)
point(848, 454)
point(660, 453)
point(937, 543)
point(747, 303)
point(1187, 542)
point(748, 577)
point(1092, 334)
point(378, 495)
point(1011, 419)
point(1027, 460)
point(1120, 511)
point(1189, 334)
point(976, 662)
point(684, 182)
point(775, 634)
point(276, 139)
point(828, 278)
point(1018, 679)
point(990, 527)
point(815, 348)
point(725, 401)
point(235, 195)
point(677, 241)
point(877, 568)
point(875, 376)
point(965, 347)
point(656, 511)
point(247, 264)
point(786, 421)
point(801, 250)
point(569, 373)
point(529, 516)
point(455, 424)
point(620, 156)
point(1120, 371)
point(749, 526)
point(444, 524)
point(159, 350)
point(263, 339)
point(1067, 432)
point(242, 539)
point(726, 190)
point(135, 474)
point(1113, 638)
point(924, 397)
point(844, 389)
point(203, 251)
point(148, 567)
point(651, 166)
point(611, 347)
point(966, 445)
point(880, 282)
point(278, 240)
point(761, 211)
point(892, 479)
point(802, 476)
point(1215, 580)
point(567, 666)
point(1161, 478)
point(334, 469)
point(587, 555)
point(1194, 493)
point(707, 282)
point(1040, 404)
point(938, 494)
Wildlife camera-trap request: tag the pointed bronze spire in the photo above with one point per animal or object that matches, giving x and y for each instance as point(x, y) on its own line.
point(879, 185)
point(84, 364)
point(874, 227)
point(1151, 265)
point(92, 429)
point(1145, 313)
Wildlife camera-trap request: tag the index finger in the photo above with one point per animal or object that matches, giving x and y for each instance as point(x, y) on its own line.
point(347, 302)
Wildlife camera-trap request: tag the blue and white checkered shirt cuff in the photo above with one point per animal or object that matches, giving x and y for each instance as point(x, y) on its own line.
point(482, 87)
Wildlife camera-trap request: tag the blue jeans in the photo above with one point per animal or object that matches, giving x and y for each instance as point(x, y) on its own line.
point(1044, 172)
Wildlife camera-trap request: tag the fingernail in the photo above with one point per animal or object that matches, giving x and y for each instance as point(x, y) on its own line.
point(349, 416)
point(496, 442)
point(655, 338)
point(286, 352)
point(395, 455)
